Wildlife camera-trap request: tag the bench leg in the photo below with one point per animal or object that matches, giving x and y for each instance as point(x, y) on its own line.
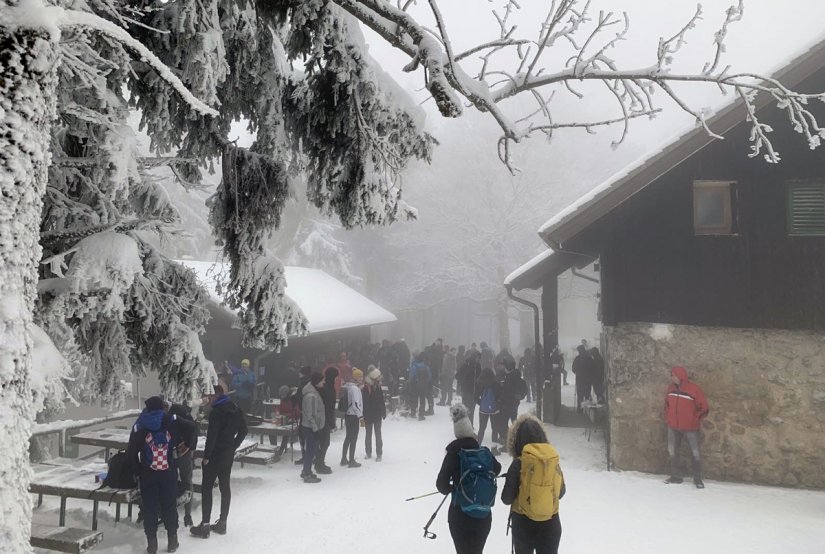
point(129, 511)
point(39, 500)
point(62, 511)
point(117, 512)
point(94, 515)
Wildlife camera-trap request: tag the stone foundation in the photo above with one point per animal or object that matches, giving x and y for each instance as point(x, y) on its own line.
point(766, 390)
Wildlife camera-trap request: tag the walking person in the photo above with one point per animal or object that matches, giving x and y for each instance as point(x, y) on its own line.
point(583, 370)
point(327, 392)
point(225, 433)
point(313, 420)
point(533, 487)
point(150, 452)
point(352, 404)
point(488, 396)
point(185, 454)
point(685, 408)
point(469, 533)
point(420, 385)
point(375, 411)
point(466, 377)
point(448, 370)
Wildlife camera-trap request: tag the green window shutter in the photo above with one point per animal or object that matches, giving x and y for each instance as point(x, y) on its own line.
point(806, 209)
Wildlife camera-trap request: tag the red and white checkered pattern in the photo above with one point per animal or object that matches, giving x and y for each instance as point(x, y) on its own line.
point(160, 453)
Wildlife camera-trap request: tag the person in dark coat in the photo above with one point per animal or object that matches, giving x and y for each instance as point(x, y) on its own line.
point(469, 534)
point(328, 397)
point(375, 411)
point(420, 384)
point(557, 364)
point(460, 356)
point(150, 453)
point(541, 537)
point(488, 398)
point(527, 367)
point(514, 390)
point(598, 374)
point(487, 357)
point(583, 370)
point(226, 431)
point(466, 377)
point(185, 454)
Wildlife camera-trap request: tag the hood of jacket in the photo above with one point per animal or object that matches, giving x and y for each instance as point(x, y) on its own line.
point(526, 429)
point(681, 373)
point(150, 420)
point(464, 442)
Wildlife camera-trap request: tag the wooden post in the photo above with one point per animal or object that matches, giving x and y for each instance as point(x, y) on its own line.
point(61, 445)
point(94, 515)
point(62, 511)
point(550, 309)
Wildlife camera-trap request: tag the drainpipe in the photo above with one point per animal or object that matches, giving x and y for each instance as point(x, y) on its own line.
point(537, 352)
point(583, 276)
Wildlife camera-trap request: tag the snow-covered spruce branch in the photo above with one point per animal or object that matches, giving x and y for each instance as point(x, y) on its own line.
point(146, 162)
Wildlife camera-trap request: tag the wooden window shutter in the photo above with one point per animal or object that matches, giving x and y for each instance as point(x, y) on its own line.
point(806, 208)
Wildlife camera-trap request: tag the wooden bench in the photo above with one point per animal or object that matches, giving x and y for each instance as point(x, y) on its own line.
point(263, 455)
point(64, 539)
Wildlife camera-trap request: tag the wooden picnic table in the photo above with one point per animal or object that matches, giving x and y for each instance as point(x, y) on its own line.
point(118, 439)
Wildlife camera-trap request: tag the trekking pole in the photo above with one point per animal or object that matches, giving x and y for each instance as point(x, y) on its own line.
point(429, 534)
point(422, 496)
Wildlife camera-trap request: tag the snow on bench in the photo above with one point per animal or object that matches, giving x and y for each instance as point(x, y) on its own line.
point(263, 455)
point(64, 539)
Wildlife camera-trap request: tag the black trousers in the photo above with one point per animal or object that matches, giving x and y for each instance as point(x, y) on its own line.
point(158, 490)
point(469, 401)
point(379, 443)
point(482, 425)
point(469, 534)
point(351, 439)
point(323, 437)
point(186, 465)
point(220, 468)
point(541, 537)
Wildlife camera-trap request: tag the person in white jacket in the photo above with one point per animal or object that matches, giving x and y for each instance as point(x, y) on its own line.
point(352, 404)
point(313, 421)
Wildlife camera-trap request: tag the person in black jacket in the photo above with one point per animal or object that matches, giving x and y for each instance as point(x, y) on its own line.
point(185, 455)
point(469, 534)
point(514, 390)
point(226, 432)
point(303, 375)
point(488, 398)
point(583, 369)
point(328, 396)
point(150, 452)
point(466, 377)
point(375, 411)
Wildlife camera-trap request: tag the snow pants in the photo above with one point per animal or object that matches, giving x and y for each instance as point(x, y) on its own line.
point(674, 441)
point(541, 537)
point(351, 439)
point(158, 489)
point(220, 468)
point(482, 425)
point(186, 464)
point(379, 442)
point(469, 534)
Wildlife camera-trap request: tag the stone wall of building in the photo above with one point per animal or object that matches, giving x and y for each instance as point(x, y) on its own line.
point(766, 390)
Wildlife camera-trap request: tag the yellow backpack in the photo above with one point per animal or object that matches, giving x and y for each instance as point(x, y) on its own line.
point(541, 481)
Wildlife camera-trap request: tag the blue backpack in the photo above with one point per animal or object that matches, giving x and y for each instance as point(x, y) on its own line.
point(476, 490)
point(488, 401)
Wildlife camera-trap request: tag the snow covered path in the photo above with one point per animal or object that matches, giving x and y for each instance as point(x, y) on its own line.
point(363, 510)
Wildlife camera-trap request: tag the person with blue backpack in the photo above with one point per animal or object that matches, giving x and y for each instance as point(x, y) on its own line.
point(468, 473)
point(151, 452)
point(420, 385)
point(488, 398)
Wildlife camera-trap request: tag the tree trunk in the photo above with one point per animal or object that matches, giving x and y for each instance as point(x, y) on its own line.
point(28, 74)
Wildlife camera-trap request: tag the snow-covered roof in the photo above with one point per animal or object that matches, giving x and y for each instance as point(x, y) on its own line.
point(531, 275)
point(605, 197)
point(327, 303)
point(515, 275)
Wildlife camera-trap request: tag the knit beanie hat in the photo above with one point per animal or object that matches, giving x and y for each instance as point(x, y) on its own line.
point(461, 423)
point(357, 374)
point(154, 403)
point(373, 375)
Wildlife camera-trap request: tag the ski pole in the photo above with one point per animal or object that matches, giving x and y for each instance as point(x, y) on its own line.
point(422, 496)
point(429, 534)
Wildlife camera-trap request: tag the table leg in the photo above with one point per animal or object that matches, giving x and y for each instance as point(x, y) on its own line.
point(39, 500)
point(94, 515)
point(62, 511)
point(106, 455)
point(117, 512)
point(129, 511)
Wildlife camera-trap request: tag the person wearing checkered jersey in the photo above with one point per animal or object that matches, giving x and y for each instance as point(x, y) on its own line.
point(157, 473)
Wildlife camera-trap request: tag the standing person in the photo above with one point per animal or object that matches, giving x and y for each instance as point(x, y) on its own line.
point(488, 396)
point(185, 451)
point(527, 367)
point(685, 408)
point(327, 392)
point(420, 385)
point(313, 421)
point(226, 432)
point(466, 377)
point(435, 359)
point(487, 357)
point(243, 383)
point(460, 356)
point(352, 404)
point(304, 375)
point(473, 350)
point(583, 370)
point(557, 363)
point(598, 374)
point(533, 487)
point(448, 368)
point(375, 411)
point(150, 453)
point(469, 533)
point(514, 390)
point(344, 367)
point(290, 412)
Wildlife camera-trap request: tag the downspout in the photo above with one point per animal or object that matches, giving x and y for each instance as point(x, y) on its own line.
point(537, 353)
point(583, 276)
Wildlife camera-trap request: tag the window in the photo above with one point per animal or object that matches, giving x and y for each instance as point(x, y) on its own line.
point(806, 208)
point(712, 207)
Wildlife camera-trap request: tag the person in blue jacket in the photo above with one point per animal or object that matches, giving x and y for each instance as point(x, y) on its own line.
point(243, 383)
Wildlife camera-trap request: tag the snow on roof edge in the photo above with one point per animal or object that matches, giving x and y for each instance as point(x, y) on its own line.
point(524, 268)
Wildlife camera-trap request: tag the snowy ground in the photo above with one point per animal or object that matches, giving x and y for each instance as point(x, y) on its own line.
point(363, 510)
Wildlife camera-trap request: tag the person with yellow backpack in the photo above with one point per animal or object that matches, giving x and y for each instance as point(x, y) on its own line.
point(533, 487)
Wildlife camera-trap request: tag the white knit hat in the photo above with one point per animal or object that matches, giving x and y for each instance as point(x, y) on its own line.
point(373, 375)
point(461, 423)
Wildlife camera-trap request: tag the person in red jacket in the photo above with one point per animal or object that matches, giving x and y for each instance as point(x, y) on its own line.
point(685, 408)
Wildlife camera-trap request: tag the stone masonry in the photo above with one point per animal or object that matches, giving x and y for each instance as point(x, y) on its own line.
point(766, 390)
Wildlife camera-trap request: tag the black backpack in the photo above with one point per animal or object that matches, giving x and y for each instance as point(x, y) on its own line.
point(120, 474)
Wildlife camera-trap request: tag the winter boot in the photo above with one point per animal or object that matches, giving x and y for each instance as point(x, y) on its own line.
point(218, 527)
point(378, 458)
point(172, 541)
point(323, 469)
point(299, 461)
point(368, 455)
point(674, 480)
point(310, 478)
point(201, 531)
point(699, 483)
point(353, 463)
point(152, 544)
point(421, 417)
